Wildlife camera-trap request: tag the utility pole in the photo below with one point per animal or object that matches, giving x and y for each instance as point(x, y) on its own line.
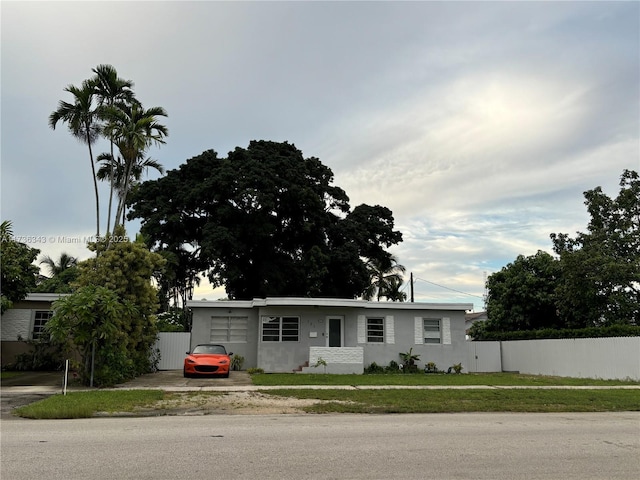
point(411, 280)
point(485, 294)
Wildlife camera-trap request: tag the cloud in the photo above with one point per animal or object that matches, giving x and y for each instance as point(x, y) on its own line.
point(480, 124)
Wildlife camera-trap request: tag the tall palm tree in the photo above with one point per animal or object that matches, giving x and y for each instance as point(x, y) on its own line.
point(65, 262)
point(6, 231)
point(392, 291)
point(82, 120)
point(109, 89)
point(133, 129)
point(384, 274)
point(113, 170)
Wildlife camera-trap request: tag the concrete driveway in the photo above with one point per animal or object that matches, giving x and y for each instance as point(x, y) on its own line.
point(173, 379)
point(161, 380)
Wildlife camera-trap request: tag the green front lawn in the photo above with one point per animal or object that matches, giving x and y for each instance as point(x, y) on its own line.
point(454, 401)
point(87, 404)
point(90, 403)
point(497, 379)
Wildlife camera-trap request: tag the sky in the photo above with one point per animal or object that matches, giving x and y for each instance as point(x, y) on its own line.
point(479, 124)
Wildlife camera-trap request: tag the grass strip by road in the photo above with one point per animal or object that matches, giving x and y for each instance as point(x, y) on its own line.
point(88, 404)
point(454, 401)
point(492, 379)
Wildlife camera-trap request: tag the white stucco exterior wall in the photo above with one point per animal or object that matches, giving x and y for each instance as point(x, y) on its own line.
point(16, 322)
point(339, 360)
point(336, 355)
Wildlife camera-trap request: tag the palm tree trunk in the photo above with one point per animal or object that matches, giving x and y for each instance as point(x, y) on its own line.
point(122, 205)
point(111, 175)
point(95, 188)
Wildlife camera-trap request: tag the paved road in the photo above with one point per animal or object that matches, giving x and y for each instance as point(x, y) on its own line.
point(495, 446)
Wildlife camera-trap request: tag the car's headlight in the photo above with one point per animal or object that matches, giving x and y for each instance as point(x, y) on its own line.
point(224, 362)
point(190, 360)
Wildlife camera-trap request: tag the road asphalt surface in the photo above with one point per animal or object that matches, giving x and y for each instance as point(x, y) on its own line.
point(496, 446)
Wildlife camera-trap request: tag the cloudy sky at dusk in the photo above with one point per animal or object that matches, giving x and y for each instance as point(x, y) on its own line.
point(480, 125)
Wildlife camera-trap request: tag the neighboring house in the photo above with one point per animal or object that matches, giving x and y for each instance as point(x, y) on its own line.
point(473, 317)
point(289, 334)
point(25, 320)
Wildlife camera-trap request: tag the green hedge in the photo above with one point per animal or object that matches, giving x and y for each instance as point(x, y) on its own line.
point(591, 332)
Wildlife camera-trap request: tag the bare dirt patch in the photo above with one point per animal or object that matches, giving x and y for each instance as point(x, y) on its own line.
point(229, 403)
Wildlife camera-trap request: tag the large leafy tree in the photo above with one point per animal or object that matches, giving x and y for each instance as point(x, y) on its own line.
point(593, 282)
point(91, 324)
point(522, 296)
point(601, 267)
point(17, 270)
point(82, 120)
point(127, 269)
point(265, 221)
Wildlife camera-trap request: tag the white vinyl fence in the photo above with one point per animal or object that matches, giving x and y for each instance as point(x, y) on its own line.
point(607, 358)
point(173, 347)
point(483, 357)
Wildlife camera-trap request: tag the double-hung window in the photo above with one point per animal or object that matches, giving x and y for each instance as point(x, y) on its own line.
point(375, 330)
point(432, 330)
point(280, 329)
point(40, 319)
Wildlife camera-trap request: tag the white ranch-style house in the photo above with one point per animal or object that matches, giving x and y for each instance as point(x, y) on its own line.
point(282, 334)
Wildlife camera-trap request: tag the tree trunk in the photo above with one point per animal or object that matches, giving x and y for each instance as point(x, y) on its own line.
point(95, 188)
point(123, 194)
point(111, 177)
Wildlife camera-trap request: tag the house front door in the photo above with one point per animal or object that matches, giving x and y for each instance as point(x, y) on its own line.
point(334, 335)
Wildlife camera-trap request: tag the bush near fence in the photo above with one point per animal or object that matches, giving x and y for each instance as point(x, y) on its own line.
point(548, 333)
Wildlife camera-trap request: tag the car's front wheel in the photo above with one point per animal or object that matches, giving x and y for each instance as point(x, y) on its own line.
point(184, 373)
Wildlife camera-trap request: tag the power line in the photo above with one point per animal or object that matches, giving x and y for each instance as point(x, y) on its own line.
point(447, 288)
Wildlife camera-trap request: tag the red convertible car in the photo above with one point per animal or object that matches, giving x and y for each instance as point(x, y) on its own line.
point(208, 359)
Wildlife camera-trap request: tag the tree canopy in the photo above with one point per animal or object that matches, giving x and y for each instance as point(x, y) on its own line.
point(112, 310)
point(594, 280)
point(601, 267)
point(16, 267)
point(92, 324)
point(265, 221)
point(127, 269)
point(522, 295)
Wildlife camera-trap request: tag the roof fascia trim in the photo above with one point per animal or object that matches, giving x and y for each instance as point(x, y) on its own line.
point(325, 302)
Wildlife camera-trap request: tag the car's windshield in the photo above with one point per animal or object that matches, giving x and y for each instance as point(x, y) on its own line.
point(210, 349)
